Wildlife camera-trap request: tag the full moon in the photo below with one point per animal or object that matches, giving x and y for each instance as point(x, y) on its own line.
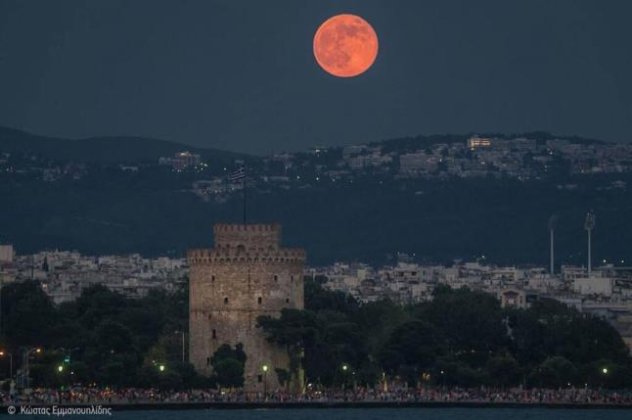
point(345, 45)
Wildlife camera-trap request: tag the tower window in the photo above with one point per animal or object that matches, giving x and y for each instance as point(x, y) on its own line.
point(209, 317)
point(276, 278)
point(212, 278)
point(287, 300)
point(291, 279)
point(225, 301)
point(259, 378)
point(208, 361)
point(259, 300)
point(214, 334)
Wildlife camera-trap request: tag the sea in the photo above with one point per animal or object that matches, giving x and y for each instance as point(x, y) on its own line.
point(380, 414)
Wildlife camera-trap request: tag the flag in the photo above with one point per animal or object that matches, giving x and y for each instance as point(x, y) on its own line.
point(237, 175)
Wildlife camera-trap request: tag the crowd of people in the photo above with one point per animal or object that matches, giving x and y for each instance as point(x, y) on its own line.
point(84, 395)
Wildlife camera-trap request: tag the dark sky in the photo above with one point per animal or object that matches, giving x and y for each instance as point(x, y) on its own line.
point(240, 75)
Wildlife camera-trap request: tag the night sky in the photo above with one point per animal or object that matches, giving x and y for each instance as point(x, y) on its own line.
point(240, 75)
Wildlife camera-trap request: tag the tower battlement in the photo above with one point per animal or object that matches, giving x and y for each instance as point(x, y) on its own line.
point(231, 255)
point(248, 236)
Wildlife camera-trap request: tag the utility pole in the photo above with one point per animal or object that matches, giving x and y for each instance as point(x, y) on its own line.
point(552, 224)
point(552, 269)
point(589, 225)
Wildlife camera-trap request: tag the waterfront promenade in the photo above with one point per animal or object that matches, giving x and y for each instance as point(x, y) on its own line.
point(361, 398)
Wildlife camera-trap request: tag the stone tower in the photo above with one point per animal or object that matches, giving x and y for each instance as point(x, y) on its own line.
point(246, 274)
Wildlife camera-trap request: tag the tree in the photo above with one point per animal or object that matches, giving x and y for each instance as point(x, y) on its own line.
point(296, 330)
point(228, 365)
point(555, 372)
point(503, 370)
point(28, 315)
point(415, 345)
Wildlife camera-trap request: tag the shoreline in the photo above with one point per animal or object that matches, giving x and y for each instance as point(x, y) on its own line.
point(322, 405)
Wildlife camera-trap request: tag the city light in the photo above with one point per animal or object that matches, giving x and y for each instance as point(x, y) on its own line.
point(604, 371)
point(161, 368)
point(60, 368)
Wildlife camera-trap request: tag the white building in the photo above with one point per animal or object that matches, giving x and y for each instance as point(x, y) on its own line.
point(593, 285)
point(6, 254)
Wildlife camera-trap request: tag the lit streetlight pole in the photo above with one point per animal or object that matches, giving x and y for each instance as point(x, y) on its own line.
point(27, 369)
point(60, 371)
point(2, 353)
point(345, 368)
point(265, 382)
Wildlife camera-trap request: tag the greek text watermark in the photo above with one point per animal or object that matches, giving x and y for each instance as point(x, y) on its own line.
point(57, 411)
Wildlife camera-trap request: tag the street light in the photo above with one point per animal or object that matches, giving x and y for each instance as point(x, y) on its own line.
point(604, 371)
point(2, 353)
point(161, 368)
point(60, 368)
point(265, 381)
point(345, 368)
point(27, 369)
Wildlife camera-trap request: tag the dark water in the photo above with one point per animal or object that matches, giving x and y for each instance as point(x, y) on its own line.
point(383, 413)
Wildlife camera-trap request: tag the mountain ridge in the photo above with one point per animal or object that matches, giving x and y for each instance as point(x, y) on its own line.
point(102, 149)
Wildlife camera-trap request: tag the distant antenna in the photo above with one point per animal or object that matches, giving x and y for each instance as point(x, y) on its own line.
point(552, 225)
point(589, 225)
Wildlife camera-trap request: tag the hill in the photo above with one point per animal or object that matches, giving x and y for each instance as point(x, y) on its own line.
point(364, 215)
point(102, 150)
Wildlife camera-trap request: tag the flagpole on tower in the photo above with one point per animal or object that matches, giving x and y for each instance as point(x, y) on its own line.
point(233, 178)
point(243, 187)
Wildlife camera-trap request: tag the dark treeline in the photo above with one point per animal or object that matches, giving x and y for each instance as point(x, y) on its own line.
point(102, 337)
point(461, 338)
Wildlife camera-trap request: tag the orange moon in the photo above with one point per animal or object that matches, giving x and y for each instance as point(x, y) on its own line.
point(345, 45)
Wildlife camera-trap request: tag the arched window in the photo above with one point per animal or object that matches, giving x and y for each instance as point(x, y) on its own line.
point(225, 301)
point(214, 334)
point(287, 300)
point(276, 278)
point(259, 300)
point(212, 278)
